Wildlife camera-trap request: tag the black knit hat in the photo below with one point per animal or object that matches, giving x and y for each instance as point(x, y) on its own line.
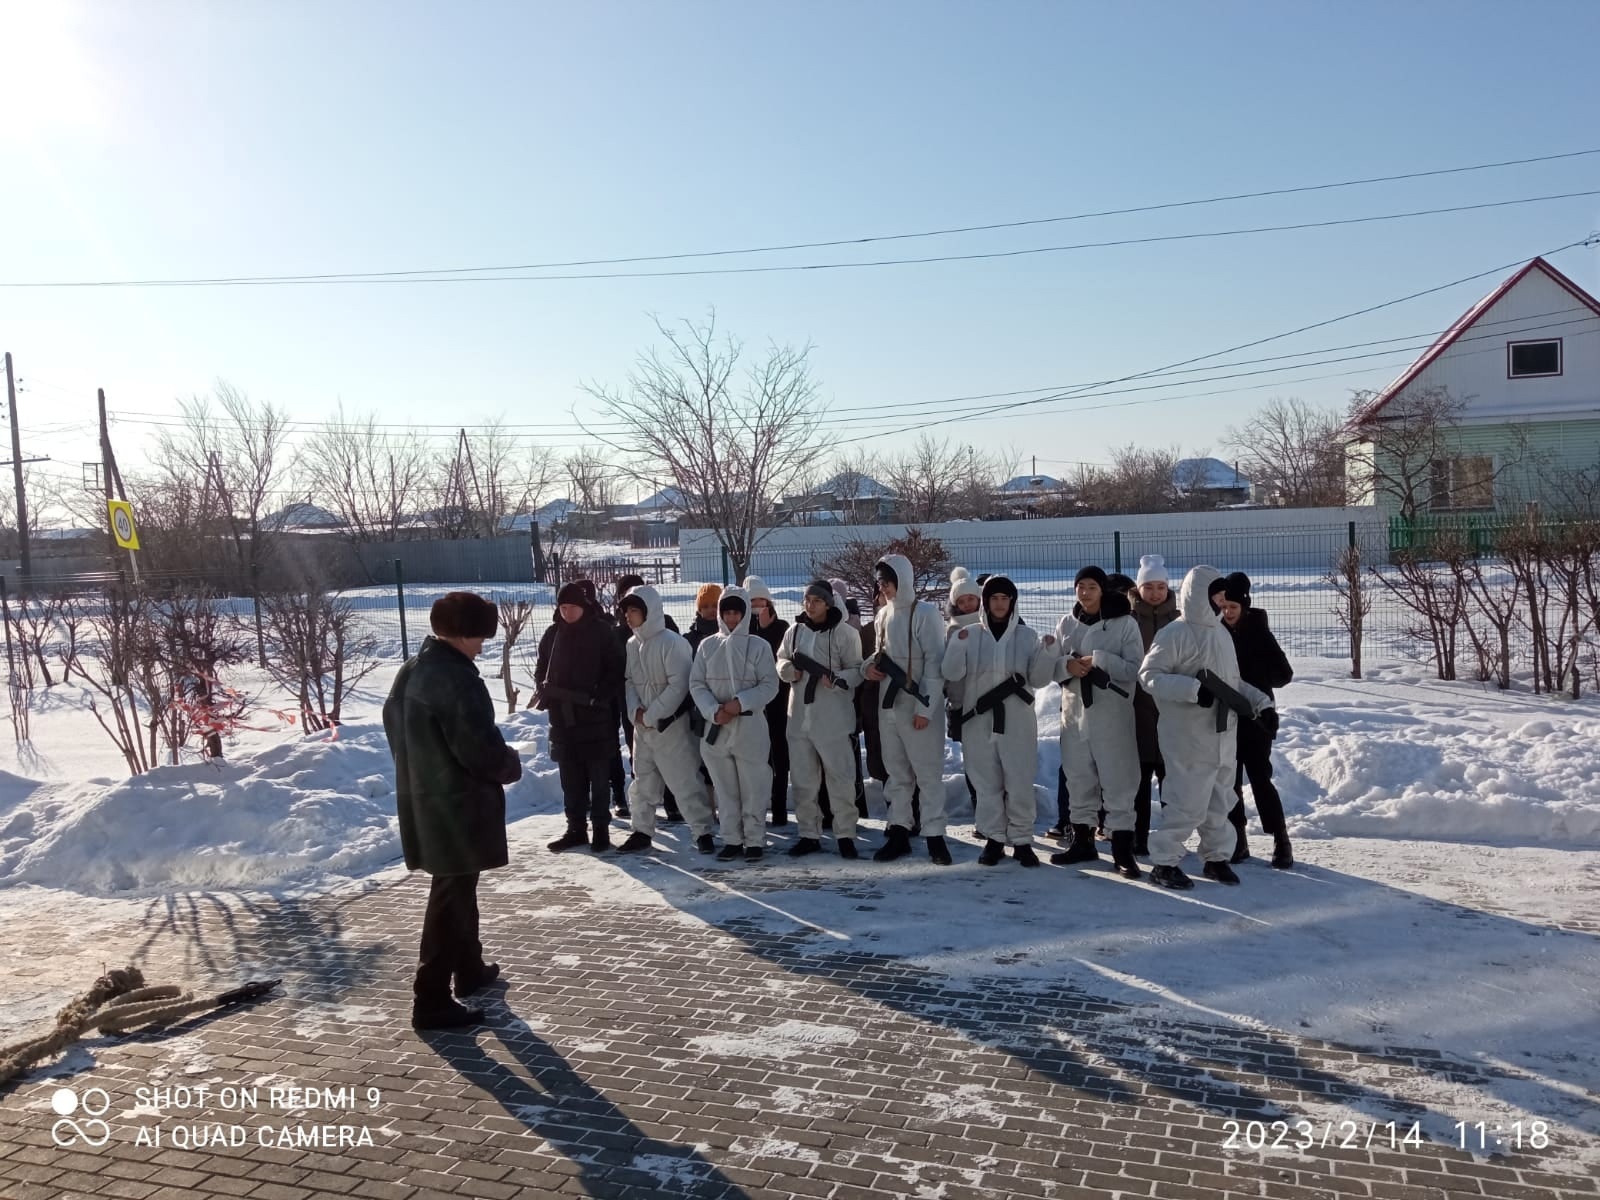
point(463, 615)
point(1236, 587)
point(632, 601)
point(821, 589)
point(1094, 573)
point(1002, 585)
point(734, 602)
point(626, 583)
point(575, 593)
point(1118, 582)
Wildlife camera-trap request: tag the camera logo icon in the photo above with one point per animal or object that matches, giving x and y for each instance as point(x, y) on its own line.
point(93, 1104)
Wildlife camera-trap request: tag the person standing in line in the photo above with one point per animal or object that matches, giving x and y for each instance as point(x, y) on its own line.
point(625, 584)
point(820, 659)
point(1193, 675)
point(1101, 652)
point(909, 642)
point(966, 608)
point(863, 706)
point(705, 623)
point(766, 624)
point(451, 767)
point(1263, 664)
point(579, 680)
point(1154, 608)
point(657, 691)
point(733, 680)
point(997, 660)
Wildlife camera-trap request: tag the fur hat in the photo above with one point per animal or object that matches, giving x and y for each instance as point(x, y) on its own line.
point(709, 593)
point(1152, 569)
point(1119, 583)
point(463, 615)
point(1235, 587)
point(574, 592)
point(1095, 573)
point(961, 584)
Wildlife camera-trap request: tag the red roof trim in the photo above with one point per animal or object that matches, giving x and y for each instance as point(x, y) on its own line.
point(1465, 322)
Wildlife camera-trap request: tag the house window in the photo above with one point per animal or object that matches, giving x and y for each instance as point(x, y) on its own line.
point(1463, 483)
point(1526, 360)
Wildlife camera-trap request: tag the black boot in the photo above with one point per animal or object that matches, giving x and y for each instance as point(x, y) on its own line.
point(916, 812)
point(442, 1014)
point(673, 817)
point(472, 981)
point(636, 841)
point(1241, 846)
point(1122, 854)
point(993, 852)
point(1221, 872)
point(896, 845)
point(1170, 877)
point(600, 842)
point(730, 852)
point(938, 852)
point(847, 848)
point(1282, 855)
point(570, 840)
point(1025, 856)
point(804, 846)
point(752, 853)
point(1081, 850)
point(705, 844)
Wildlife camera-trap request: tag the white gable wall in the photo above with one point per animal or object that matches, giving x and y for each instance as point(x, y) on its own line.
point(1474, 369)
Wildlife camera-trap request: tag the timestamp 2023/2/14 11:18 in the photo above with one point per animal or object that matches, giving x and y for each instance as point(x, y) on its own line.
point(1512, 1137)
point(1307, 1135)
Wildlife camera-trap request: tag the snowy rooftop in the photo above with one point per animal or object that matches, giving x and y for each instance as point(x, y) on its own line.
point(1206, 473)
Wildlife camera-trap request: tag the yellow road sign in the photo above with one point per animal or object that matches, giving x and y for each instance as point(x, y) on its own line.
point(122, 526)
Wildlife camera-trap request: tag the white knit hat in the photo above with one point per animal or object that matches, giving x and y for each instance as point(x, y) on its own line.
point(758, 589)
point(1152, 569)
point(961, 584)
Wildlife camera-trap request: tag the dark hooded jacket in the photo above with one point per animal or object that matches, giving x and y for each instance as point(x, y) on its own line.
point(451, 764)
point(699, 630)
point(1262, 661)
point(582, 657)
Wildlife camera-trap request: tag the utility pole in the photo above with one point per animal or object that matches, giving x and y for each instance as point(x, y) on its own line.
point(16, 465)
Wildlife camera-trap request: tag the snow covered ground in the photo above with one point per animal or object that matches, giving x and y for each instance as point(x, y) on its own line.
point(1449, 837)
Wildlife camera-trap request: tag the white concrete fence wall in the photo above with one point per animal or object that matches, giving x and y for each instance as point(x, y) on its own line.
point(1277, 538)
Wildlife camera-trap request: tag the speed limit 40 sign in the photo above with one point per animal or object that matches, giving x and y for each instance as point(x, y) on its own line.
point(122, 526)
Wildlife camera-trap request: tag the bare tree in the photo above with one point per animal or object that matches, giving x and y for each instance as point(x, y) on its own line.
point(118, 632)
point(514, 618)
point(1347, 578)
point(856, 480)
point(1140, 480)
point(236, 458)
point(591, 479)
point(853, 561)
point(369, 478)
point(930, 480)
point(732, 446)
point(320, 652)
point(1428, 580)
point(1293, 450)
point(486, 478)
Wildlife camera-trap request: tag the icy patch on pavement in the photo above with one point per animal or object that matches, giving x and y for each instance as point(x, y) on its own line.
point(783, 1040)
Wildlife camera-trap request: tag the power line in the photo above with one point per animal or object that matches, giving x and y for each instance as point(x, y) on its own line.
point(414, 277)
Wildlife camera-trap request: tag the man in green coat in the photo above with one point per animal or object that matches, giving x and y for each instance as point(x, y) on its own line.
point(451, 766)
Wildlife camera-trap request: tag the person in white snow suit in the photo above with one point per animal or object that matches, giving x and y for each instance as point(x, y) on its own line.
point(997, 661)
point(820, 658)
point(733, 680)
point(1155, 607)
point(909, 640)
point(1098, 671)
point(1193, 674)
point(965, 608)
point(656, 690)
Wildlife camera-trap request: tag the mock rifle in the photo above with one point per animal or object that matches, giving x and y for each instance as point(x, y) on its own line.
point(994, 700)
point(1230, 697)
point(898, 681)
point(570, 699)
point(1097, 677)
point(684, 710)
point(815, 671)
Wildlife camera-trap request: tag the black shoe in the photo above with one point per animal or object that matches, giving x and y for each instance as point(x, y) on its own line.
point(804, 846)
point(752, 854)
point(993, 852)
point(443, 1014)
point(673, 817)
point(623, 811)
point(704, 844)
point(1122, 854)
point(600, 843)
point(896, 845)
point(1057, 831)
point(1241, 847)
point(938, 852)
point(1282, 855)
point(730, 852)
point(1101, 834)
point(636, 841)
point(473, 981)
point(1141, 849)
point(1081, 850)
point(847, 848)
point(1025, 856)
point(978, 835)
point(1170, 877)
point(1220, 871)
point(570, 840)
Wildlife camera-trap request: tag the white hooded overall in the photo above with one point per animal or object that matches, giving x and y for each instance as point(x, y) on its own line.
point(910, 632)
point(659, 663)
point(819, 730)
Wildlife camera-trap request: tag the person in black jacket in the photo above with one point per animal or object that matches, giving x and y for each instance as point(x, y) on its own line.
point(766, 624)
point(451, 766)
point(1263, 664)
point(579, 678)
point(705, 622)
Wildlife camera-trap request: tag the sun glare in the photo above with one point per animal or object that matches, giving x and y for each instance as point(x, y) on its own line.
point(47, 85)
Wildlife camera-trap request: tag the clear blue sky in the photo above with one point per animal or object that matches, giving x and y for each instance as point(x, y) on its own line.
point(186, 139)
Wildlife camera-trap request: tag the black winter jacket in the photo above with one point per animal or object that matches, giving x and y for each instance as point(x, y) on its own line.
point(583, 658)
point(451, 764)
point(1262, 662)
point(699, 631)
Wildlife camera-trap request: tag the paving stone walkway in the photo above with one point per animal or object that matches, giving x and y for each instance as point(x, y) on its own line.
point(637, 1052)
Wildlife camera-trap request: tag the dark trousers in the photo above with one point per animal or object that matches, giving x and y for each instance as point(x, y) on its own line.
point(585, 784)
point(1063, 808)
point(1255, 760)
point(1148, 771)
point(450, 942)
point(778, 756)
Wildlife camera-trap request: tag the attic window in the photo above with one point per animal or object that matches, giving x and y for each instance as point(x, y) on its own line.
point(1526, 360)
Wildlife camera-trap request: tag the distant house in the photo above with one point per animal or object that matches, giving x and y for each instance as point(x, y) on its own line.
point(302, 518)
point(1524, 365)
point(849, 498)
point(1209, 482)
point(1034, 495)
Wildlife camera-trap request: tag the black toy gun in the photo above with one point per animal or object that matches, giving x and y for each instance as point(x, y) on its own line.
point(1230, 697)
point(683, 710)
point(816, 671)
point(898, 681)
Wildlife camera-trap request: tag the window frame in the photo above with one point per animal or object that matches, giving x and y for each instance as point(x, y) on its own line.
point(1453, 487)
point(1561, 358)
